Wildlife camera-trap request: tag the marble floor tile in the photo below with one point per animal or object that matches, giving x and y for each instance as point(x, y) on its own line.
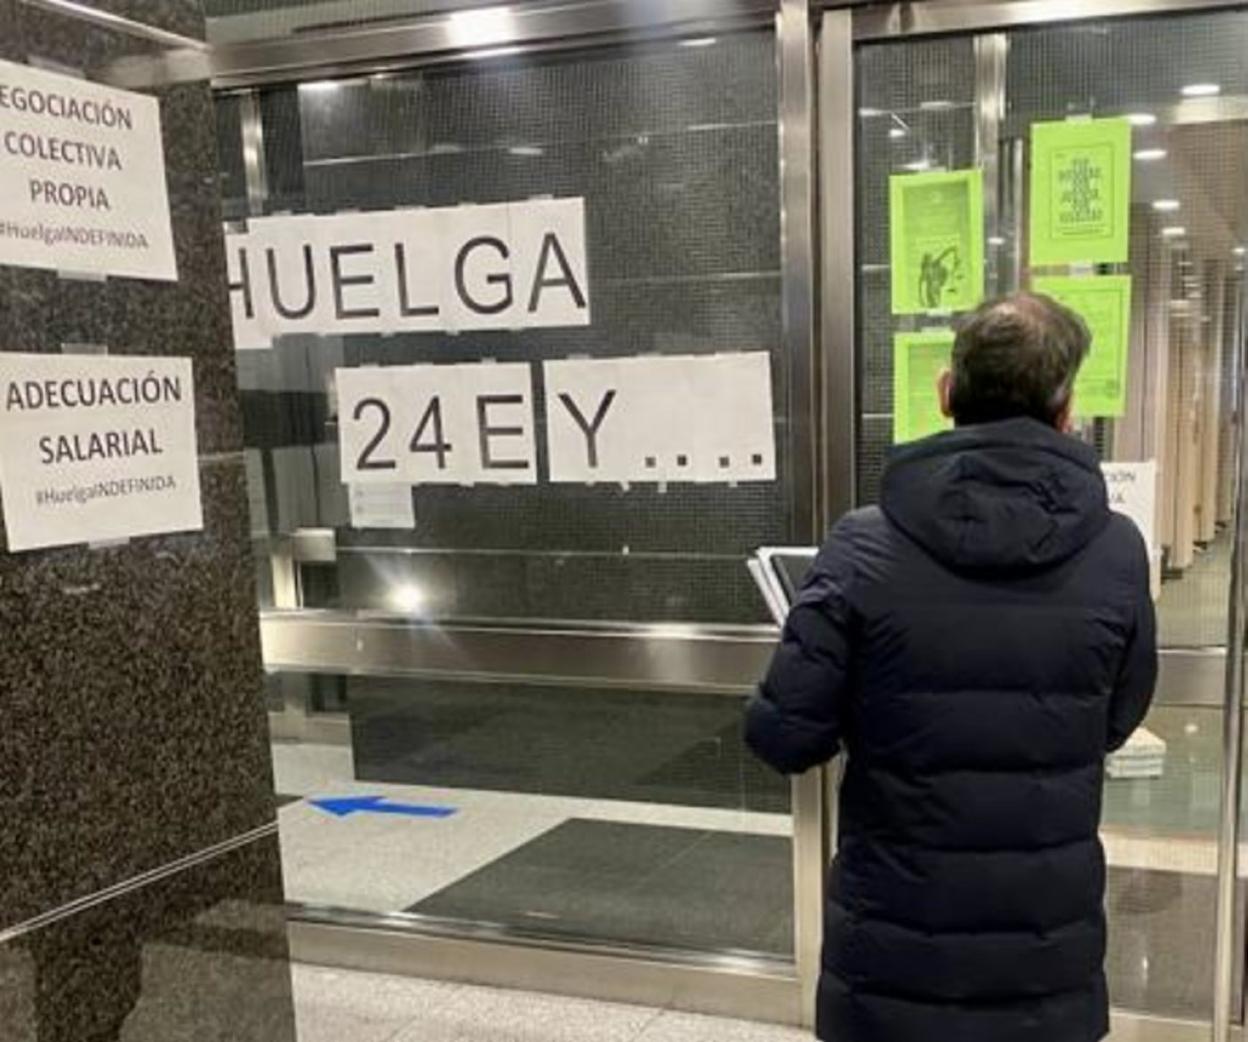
point(341, 1006)
point(491, 1015)
point(688, 1027)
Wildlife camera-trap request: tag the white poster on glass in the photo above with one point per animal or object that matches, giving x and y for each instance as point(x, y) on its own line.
point(437, 424)
point(382, 506)
point(692, 418)
point(1132, 491)
point(502, 266)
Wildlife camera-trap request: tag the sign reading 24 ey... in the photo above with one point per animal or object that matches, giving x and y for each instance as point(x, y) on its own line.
point(657, 418)
point(82, 178)
point(96, 448)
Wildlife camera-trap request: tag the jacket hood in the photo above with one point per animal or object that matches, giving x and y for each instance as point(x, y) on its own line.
point(1015, 495)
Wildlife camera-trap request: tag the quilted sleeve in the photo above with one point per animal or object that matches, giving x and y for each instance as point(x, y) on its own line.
point(794, 722)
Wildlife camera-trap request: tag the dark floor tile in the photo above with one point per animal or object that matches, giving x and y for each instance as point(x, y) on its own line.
point(650, 885)
point(717, 891)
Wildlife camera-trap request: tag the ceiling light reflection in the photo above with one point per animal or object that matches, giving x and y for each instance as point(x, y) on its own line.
point(407, 598)
point(481, 28)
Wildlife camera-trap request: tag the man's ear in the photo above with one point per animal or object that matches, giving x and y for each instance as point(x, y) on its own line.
point(944, 388)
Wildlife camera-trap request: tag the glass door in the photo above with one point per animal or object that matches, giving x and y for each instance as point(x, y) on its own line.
point(1052, 121)
point(514, 710)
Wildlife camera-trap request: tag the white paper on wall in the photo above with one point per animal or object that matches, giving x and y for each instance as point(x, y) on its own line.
point(82, 176)
point(1132, 491)
point(692, 418)
point(501, 266)
point(437, 424)
point(96, 448)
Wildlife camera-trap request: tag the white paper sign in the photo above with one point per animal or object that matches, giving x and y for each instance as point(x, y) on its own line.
point(693, 418)
point(96, 448)
point(437, 424)
point(1133, 491)
point(505, 266)
point(82, 178)
point(382, 506)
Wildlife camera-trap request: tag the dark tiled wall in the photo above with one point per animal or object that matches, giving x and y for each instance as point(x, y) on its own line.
point(131, 692)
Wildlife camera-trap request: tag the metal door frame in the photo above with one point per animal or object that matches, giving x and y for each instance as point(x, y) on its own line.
point(704, 659)
point(815, 53)
point(1220, 670)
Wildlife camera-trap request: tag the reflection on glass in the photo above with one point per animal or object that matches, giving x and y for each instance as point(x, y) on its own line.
point(589, 814)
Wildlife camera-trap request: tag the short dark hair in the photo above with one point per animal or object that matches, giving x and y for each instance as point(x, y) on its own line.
point(1017, 356)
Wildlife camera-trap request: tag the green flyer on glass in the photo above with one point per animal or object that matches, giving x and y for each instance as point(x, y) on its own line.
point(918, 361)
point(1080, 192)
point(1104, 301)
point(937, 241)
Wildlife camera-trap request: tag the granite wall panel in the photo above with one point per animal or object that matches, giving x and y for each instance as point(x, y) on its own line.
point(199, 956)
point(143, 895)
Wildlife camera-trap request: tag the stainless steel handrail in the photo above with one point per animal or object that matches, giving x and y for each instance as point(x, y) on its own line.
point(696, 658)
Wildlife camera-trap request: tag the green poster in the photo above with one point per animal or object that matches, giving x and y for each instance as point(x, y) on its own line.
point(918, 361)
point(1080, 191)
point(1104, 301)
point(937, 241)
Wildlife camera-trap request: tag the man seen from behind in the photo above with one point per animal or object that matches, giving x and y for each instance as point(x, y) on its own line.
point(975, 646)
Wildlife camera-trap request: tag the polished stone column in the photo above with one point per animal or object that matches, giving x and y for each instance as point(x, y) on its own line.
point(142, 895)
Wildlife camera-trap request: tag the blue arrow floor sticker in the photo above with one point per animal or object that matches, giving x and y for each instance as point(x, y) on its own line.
point(345, 806)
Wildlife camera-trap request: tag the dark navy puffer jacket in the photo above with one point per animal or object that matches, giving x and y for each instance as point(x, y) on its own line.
point(976, 647)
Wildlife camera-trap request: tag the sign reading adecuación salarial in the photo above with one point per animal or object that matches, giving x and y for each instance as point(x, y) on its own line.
point(94, 449)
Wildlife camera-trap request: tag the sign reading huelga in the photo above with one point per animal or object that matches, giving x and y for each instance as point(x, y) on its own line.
point(96, 448)
point(82, 178)
point(503, 266)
